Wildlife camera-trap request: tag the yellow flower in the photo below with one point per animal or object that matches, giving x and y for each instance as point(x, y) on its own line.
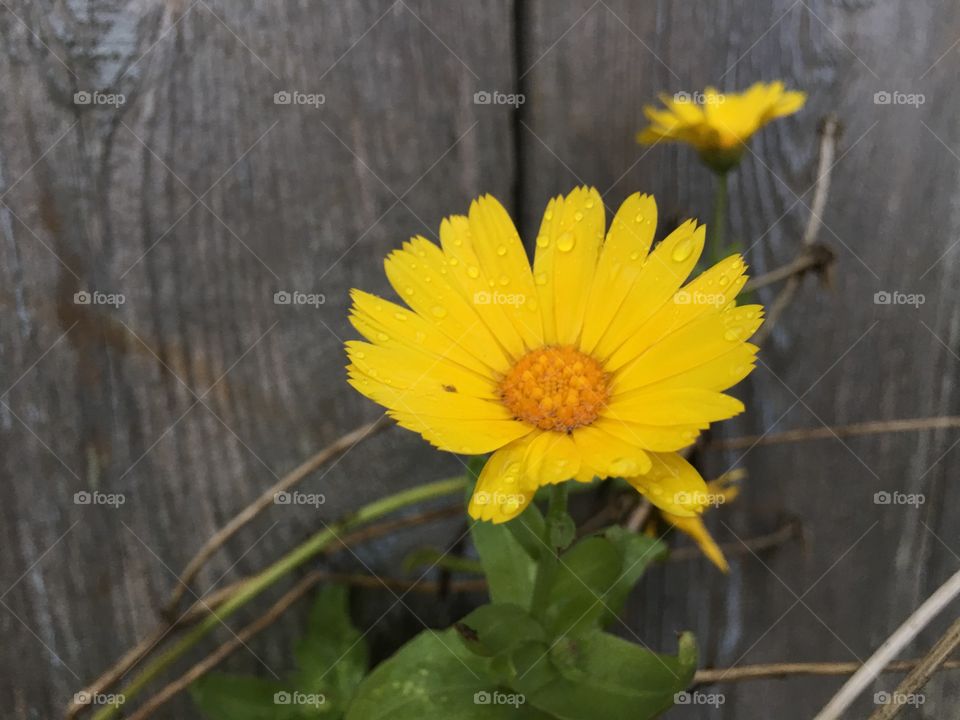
point(595, 362)
point(719, 491)
point(719, 124)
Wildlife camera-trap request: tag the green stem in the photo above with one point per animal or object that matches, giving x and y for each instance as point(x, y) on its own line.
point(547, 567)
point(293, 559)
point(718, 232)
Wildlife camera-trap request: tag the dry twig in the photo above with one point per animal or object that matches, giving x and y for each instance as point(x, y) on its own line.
point(711, 676)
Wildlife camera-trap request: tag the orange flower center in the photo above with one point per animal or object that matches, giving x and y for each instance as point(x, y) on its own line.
point(555, 388)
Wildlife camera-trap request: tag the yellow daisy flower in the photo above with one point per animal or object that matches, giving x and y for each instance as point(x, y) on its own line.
point(596, 362)
point(719, 124)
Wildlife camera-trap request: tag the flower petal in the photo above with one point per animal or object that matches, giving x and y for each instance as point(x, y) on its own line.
point(672, 485)
point(568, 245)
point(503, 490)
point(609, 455)
point(621, 261)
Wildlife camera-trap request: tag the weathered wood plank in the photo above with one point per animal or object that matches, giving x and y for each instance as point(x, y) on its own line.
point(198, 200)
point(837, 357)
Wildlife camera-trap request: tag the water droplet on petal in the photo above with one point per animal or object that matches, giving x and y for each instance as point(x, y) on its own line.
point(473, 271)
point(502, 250)
point(566, 242)
point(548, 215)
point(638, 218)
point(682, 250)
point(454, 262)
point(542, 241)
point(731, 335)
point(541, 279)
point(634, 255)
point(504, 280)
point(382, 337)
point(439, 311)
point(578, 216)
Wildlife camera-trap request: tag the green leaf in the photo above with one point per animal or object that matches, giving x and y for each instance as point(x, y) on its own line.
point(529, 529)
point(332, 656)
point(238, 697)
point(601, 676)
point(435, 676)
point(497, 629)
point(509, 568)
point(577, 594)
point(431, 557)
point(636, 552)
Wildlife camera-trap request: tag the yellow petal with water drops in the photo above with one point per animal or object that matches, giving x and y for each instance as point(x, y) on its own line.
point(500, 250)
point(719, 374)
point(654, 438)
point(664, 271)
point(673, 485)
point(504, 489)
point(438, 403)
point(406, 368)
point(474, 277)
point(467, 437)
point(393, 326)
point(423, 283)
point(686, 406)
point(566, 257)
point(693, 345)
point(609, 455)
point(621, 259)
point(551, 458)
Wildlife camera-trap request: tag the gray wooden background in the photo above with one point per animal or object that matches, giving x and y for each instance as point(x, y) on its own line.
point(199, 197)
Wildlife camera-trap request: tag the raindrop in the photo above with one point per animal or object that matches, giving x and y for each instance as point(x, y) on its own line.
point(439, 311)
point(473, 271)
point(566, 242)
point(682, 250)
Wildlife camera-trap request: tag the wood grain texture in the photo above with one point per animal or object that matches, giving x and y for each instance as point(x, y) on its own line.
point(199, 198)
point(837, 357)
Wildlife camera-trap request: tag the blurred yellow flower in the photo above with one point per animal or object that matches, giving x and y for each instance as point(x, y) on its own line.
point(596, 362)
point(722, 490)
point(719, 124)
